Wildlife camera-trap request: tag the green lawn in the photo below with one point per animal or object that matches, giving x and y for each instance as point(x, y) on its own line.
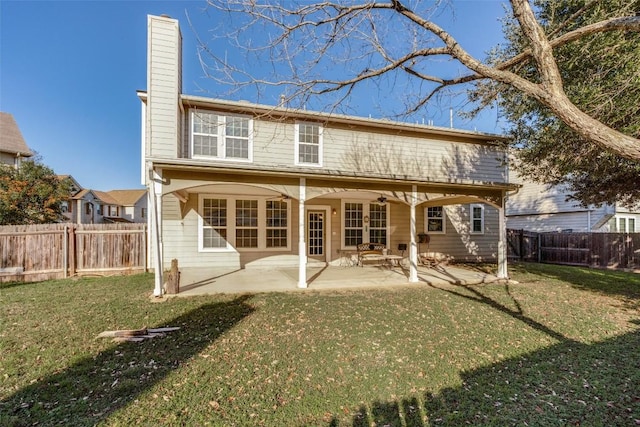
point(561, 347)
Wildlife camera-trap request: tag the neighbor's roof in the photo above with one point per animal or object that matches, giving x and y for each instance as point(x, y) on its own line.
point(11, 140)
point(127, 197)
point(106, 197)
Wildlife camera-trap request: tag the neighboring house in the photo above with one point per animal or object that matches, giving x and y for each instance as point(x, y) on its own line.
point(124, 205)
point(541, 208)
point(13, 148)
point(87, 206)
point(239, 185)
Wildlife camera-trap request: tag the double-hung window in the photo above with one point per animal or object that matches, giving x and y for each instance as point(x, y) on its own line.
point(378, 223)
point(221, 136)
point(477, 218)
point(353, 223)
point(365, 222)
point(248, 224)
point(214, 224)
point(622, 224)
point(308, 150)
point(434, 219)
point(276, 224)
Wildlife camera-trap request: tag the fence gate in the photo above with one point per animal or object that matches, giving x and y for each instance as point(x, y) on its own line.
point(523, 245)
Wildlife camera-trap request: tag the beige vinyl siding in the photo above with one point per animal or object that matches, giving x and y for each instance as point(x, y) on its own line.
point(361, 152)
point(163, 87)
point(273, 143)
point(181, 238)
point(457, 242)
point(367, 153)
point(181, 241)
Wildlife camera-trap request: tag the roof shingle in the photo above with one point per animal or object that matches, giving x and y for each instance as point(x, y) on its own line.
point(11, 140)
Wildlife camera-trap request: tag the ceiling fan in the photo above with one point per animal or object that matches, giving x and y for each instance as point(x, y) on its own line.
point(282, 197)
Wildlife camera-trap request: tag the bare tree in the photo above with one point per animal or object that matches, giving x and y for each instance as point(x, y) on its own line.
point(330, 47)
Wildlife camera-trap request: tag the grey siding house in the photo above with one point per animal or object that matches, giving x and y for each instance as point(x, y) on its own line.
point(542, 208)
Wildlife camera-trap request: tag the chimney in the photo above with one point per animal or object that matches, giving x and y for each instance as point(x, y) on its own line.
point(164, 86)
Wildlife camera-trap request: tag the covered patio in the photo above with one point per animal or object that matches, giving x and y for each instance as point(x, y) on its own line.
point(205, 281)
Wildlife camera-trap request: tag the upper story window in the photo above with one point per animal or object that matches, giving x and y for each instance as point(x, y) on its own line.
point(220, 136)
point(308, 149)
point(477, 218)
point(434, 217)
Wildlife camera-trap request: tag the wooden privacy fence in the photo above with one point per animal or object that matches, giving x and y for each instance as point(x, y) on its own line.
point(52, 251)
point(602, 250)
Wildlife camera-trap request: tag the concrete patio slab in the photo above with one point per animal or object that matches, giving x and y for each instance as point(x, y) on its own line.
point(204, 281)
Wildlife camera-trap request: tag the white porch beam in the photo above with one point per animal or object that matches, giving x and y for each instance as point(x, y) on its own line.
point(502, 242)
point(302, 246)
point(413, 248)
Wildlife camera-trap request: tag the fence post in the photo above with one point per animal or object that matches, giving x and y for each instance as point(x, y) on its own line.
point(72, 250)
point(65, 252)
point(144, 249)
point(521, 244)
point(539, 238)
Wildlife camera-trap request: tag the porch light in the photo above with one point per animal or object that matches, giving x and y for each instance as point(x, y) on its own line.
point(334, 211)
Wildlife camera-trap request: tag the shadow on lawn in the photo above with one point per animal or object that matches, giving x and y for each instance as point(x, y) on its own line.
point(566, 384)
point(605, 282)
point(569, 383)
point(90, 390)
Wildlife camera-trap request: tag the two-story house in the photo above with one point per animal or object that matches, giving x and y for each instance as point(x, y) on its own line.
point(86, 206)
point(13, 148)
point(242, 185)
point(123, 205)
point(544, 208)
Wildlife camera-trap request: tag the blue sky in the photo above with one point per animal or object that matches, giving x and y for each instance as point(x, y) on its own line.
point(69, 71)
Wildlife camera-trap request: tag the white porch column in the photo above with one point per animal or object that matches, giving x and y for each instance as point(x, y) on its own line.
point(302, 246)
point(155, 229)
point(502, 242)
point(413, 248)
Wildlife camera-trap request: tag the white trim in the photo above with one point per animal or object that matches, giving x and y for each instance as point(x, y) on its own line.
point(365, 226)
point(296, 132)
point(327, 218)
point(201, 247)
point(626, 219)
point(471, 219)
point(444, 220)
point(221, 136)
point(231, 221)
